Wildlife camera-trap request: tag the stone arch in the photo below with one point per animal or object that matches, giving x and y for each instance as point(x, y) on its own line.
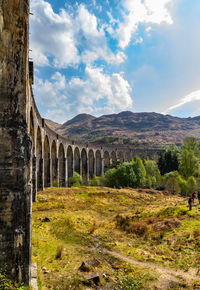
point(39, 160)
point(91, 163)
point(61, 158)
point(46, 162)
point(84, 164)
point(70, 161)
point(54, 164)
point(77, 160)
point(114, 158)
point(98, 163)
point(121, 157)
point(106, 158)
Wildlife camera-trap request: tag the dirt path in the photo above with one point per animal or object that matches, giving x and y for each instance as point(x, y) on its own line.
point(168, 278)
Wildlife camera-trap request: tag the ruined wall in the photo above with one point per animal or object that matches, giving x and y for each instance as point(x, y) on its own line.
point(15, 144)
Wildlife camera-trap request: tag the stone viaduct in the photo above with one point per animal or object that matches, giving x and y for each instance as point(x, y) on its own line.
point(32, 156)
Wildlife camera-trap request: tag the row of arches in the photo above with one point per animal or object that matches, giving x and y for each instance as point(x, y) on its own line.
point(53, 162)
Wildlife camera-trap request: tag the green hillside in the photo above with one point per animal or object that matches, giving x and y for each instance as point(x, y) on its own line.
point(133, 239)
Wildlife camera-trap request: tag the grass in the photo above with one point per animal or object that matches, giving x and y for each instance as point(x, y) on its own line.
point(145, 225)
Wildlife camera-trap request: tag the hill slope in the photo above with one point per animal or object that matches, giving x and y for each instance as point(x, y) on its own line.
point(131, 128)
point(135, 238)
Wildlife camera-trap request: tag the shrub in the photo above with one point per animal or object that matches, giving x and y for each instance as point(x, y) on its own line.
point(128, 174)
point(55, 183)
point(191, 184)
point(75, 180)
point(95, 181)
point(172, 185)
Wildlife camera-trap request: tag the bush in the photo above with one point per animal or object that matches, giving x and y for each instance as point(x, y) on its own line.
point(128, 174)
point(172, 185)
point(191, 184)
point(55, 183)
point(95, 181)
point(76, 180)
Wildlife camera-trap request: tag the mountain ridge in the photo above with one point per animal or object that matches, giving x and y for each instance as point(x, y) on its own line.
point(130, 128)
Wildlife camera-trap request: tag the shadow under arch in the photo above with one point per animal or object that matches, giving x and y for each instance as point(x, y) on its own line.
point(61, 158)
point(46, 162)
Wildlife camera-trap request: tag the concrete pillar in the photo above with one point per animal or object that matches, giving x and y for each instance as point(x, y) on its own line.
point(81, 169)
point(88, 174)
point(65, 170)
point(95, 166)
point(50, 170)
point(102, 166)
point(42, 173)
point(57, 171)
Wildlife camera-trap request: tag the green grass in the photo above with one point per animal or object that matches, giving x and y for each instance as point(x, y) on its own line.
point(83, 219)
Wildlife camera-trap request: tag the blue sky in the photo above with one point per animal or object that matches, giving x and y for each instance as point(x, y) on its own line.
point(106, 56)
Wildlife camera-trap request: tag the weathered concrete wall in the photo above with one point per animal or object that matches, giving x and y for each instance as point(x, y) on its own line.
point(15, 144)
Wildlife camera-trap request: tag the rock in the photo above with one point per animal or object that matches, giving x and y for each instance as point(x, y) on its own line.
point(94, 277)
point(45, 271)
point(89, 265)
point(34, 271)
point(46, 219)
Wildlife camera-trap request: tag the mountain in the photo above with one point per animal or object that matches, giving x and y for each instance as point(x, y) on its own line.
point(130, 128)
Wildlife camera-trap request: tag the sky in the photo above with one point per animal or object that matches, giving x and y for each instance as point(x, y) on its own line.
point(106, 56)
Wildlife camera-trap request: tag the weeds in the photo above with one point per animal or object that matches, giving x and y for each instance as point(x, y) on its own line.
point(59, 251)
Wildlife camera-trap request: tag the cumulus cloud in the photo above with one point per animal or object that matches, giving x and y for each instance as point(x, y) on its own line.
point(52, 36)
point(191, 98)
point(97, 93)
point(142, 11)
point(66, 39)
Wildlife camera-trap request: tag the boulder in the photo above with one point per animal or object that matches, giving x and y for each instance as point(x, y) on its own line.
point(89, 265)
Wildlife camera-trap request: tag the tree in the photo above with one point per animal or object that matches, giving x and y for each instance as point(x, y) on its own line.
point(168, 161)
point(172, 185)
point(191, 144)
point(152, 174)
point(189, 164)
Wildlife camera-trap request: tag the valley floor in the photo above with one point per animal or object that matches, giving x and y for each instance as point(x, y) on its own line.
point(127, 239)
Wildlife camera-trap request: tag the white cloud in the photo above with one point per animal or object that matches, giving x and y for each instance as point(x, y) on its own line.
point(52, 36)
point(97, 93)
point(192, 97)
point(112, 20)
point(50, 93)
point(142, 11)
point(63, 39)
